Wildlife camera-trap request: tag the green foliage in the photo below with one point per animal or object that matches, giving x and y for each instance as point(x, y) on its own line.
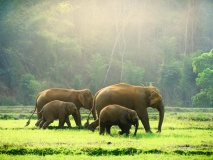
point(56, 41)
point(187, 87)
point(133, 74)
point(77, 82)
point(29, 88)
point(205, 78)
point(7, 100)
point(169, 47)
point(203, 65)
point(96, 71)
point(202, 62)
point(170, 76)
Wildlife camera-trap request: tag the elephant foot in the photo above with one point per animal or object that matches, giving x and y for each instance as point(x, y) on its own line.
point(120, 132)
point(127, 134)
point(80, 127)
point(149, 131)
point(101, 133)
point(37, 124)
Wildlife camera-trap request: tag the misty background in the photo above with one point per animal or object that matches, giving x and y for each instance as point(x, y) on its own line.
point(91, 44)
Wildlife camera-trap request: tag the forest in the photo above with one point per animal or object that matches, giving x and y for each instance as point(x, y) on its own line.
point(92, 44)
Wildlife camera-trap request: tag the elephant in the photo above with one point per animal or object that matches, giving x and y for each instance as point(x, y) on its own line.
point(117, 115)
point(137, 98)
point(81, 98)
point(57, 110)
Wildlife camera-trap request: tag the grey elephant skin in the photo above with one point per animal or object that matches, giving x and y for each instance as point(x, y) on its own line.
point(117, 115)
point(57, 110)
point(81, 98)
point(134, 97)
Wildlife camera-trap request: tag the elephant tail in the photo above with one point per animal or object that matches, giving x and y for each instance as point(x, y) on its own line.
point(28, 122)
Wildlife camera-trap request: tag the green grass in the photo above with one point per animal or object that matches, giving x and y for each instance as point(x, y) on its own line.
point(186, 134)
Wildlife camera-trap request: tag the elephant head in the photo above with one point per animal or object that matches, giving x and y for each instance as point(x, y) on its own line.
point(155, 101)
point(85, 98)
point(71, 109)
point(133, 119)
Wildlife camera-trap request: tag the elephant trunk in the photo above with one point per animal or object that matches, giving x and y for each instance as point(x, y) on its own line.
point(136, 128)
point(161, 116)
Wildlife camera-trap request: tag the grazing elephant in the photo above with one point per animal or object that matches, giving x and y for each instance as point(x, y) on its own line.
point(57, 110)
point(137, 98)
point(117, 115)
point(81, 98)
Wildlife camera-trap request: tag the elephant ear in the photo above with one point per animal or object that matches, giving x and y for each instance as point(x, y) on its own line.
point(154, 98)
point(81, 98)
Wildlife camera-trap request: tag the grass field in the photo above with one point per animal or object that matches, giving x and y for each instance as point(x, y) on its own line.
point(186, 134)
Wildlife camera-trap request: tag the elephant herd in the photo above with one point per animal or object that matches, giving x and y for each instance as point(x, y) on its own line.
point(119, 104)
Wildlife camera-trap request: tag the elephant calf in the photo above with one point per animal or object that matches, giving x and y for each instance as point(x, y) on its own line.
point(57, 110)
point(117, 115)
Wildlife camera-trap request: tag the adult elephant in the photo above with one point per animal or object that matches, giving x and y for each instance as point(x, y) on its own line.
point(137, 98)
point(81, 98)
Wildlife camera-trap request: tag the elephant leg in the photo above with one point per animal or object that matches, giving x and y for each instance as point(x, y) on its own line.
point(108, 127)
point(38, 122)
point(42, 123)
point(102, 128)
point(94, 114)
point(46, 124)
point(143, 115)
point(126, 129)
point(67, 120)
point(79, 118)
point(76, 119)
point(61, 122)
point(122, 129)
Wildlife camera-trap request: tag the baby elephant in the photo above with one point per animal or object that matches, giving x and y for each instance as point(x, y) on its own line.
point(117, 115)
point(57, 110)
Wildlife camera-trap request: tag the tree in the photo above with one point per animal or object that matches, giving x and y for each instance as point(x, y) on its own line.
point(28, 89)
point(188, 87)
point(77, 82)
point(56, 41)
point(133, 74)
point(96, 70)
point(203, 65)
point(170, 76)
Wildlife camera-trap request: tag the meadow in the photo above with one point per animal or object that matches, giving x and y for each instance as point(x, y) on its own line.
point(187, 133)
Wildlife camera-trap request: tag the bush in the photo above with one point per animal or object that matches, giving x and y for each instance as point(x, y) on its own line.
point(8, 101)
point(28, 89)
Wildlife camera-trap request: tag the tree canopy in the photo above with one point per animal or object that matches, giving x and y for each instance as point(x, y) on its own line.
point(91, 44)
point(203, 65)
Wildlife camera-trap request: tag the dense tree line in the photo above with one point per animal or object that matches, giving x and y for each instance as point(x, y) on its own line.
point(91, 44)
